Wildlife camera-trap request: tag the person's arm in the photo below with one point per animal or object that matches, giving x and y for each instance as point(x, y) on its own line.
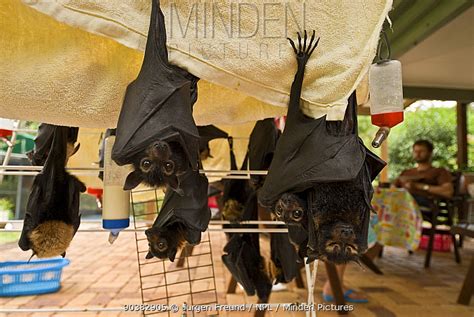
point(444, 187)
point(444, 190)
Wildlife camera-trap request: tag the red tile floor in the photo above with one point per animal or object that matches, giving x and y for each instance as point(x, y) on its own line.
point(106, 276)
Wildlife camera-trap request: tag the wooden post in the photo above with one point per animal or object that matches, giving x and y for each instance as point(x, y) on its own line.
point(461, 130)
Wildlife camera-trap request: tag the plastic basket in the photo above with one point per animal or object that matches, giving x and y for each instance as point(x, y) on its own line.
point(441, 243)
point(36, 277)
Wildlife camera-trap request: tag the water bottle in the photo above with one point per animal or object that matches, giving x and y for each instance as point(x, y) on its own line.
point(386, 97)
point(116, 204)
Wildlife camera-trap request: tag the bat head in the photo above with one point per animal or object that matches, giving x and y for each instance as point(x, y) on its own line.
point(232, 210)
point(160, 164)
point(339, 211)
point(291, 209)
point(164, 242)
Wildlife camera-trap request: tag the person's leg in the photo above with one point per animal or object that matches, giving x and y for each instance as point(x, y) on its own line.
point(341, 268)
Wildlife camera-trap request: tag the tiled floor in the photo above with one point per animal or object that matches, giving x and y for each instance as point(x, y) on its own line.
point(106, 276)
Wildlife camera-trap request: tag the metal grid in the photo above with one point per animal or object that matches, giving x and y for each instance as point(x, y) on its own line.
point(189, 280)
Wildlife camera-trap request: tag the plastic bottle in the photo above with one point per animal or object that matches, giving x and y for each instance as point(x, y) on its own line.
point(386, 97)
point(116, 204)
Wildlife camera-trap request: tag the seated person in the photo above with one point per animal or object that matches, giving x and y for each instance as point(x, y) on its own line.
point(424, 180)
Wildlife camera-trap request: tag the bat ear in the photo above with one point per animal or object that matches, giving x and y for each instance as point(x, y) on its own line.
point(133, 180)
point(78, 146)
point(174, 185)
point(172, 254)
point(149, 255)
point(148, 232)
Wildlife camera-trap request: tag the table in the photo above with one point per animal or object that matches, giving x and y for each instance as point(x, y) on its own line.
point(399, 220)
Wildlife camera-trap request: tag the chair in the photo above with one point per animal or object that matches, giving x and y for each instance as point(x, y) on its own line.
point(467, 289)
point(441, 215)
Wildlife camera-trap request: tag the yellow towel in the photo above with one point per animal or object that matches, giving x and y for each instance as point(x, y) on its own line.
point(62, 73)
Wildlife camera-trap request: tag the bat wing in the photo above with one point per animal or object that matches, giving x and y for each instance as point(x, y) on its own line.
point(284, 256)
point(315, 151)
point(237, 250)
point(32, 213)
point(208, 133)
point(262, 144)
point(192, 208)
point(44, 140)
point(158, 104)
point(75, 188)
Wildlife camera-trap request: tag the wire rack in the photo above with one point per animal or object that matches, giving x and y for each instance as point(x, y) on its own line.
point(189, 280)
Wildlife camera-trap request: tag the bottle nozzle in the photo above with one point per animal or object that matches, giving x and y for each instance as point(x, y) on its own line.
point(113, 235)
point(380, 136)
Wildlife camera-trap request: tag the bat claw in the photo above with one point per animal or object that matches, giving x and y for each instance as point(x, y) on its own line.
point(305, 47)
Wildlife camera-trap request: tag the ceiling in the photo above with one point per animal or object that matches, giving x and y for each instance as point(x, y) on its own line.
point(434, 40)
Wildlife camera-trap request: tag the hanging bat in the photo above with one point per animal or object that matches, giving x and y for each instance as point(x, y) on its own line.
point(285, 264)
point(181, 218)
point(236, 192)
point(313, 154)
point(156, 131)
point(43, 142)
point(243, 259)
point(52, 213)
point(262, 143)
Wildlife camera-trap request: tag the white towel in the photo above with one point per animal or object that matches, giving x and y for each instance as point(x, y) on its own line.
point(52, 72)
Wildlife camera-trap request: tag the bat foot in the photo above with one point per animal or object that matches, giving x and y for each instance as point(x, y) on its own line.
point(305, 49)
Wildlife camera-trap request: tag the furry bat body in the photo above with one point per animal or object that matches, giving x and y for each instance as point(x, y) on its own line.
point(52, 214)
point(156, 131)
point(315, 156)
point(181, 218)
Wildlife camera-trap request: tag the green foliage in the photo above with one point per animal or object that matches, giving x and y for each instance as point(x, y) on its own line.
point(435, 124)
point(6, 204)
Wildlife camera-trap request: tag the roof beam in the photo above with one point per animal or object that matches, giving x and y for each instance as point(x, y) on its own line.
point(464, 95)
point(422, 19)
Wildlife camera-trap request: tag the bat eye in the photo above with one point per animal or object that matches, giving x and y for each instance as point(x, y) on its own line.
point(146, 165)
point(162, 246)
point(168, 167)
point(297, 214)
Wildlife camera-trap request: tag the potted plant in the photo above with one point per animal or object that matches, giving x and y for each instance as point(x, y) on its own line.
point(6, 209)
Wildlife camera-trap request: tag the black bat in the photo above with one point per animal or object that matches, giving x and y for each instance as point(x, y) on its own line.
point(242, 257)
point(313, 154)
point(52, 213)
point(156, 131)
point(284, 258)
point(285, 264)
point(206, 134)
point(236, 191)
point(262, 143)
point(44, 140)
point(181, 218)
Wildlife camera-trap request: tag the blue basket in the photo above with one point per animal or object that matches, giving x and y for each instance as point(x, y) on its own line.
point(36, 277)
